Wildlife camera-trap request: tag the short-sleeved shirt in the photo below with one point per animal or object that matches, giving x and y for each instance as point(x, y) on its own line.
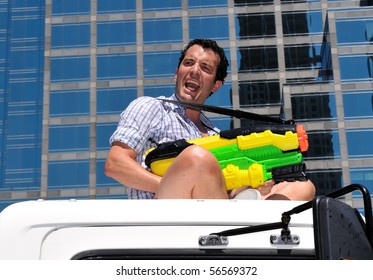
point(148, 122)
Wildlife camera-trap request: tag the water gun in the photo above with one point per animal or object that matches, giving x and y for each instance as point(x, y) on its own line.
point(247, 156)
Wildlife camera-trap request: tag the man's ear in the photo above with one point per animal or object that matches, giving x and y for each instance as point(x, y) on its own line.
point(176, 71)
point(217, 85)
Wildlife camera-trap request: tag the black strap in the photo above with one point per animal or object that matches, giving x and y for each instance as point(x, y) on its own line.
point(229, 112)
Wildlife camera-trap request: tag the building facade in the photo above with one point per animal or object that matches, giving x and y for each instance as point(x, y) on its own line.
point(68, 68)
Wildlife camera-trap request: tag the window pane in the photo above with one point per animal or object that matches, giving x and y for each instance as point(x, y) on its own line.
point(69, 103)
point(153, 61)
point(69, 68)
point(68, 174)
point(171, 31)
point(363, 176)
point(257, 93)
point(322, 145)
point(115, 6)
point(257, 59)
point(302, 57)
point(314, 106)
point(71, 7)
point(161, 5)
point(197, 27)
point(116, 66)
point(162, 90)
point(252, 2)
point(326, 181)
point(114, 100)
point(362, 100)
point(69, 138)
point(193, 4)
point(70, 35)
point(255, 26)
point(362, 65)
point(115, 33)
point(359, 143)
point(354, 31)
point(302, 23)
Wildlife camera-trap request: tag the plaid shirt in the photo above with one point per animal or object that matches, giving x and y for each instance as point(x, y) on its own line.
point(148, 121)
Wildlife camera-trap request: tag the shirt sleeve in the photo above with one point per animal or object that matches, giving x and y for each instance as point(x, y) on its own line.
point(137, 122)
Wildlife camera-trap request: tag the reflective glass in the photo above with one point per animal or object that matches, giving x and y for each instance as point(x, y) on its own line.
point(223, 123)
point(24, 59)
point(162, 30)
point(104, 131)
point(354, 31)
point(26, 28)
point(161, 90)
point(193, 4)
point(70, 35)
point(255, 59)
point(116, 66)
point(69, 103)
point(323, 145)
point(362, 66)
point(252, 2)
point(302, 57)
point(359, 143)
point(69, 68)
point(114, 100)
point(167, 60)
point(69, 138)
point(161, 5)
point(363, 176)
point(22, 123)
point(103, 181)
point(314, 106)
point(27, 91)
point(116, 33)
point(68, 7)
point(115, 6)
point(223, 97)
point(68, 174)
point(326, 180)
point(199, 27)
point(358, 105)
point(302, 23)
point(18, 158)
point(257, 93)
point(255, 26)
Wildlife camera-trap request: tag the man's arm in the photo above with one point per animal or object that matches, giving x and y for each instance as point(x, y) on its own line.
point(122, 167)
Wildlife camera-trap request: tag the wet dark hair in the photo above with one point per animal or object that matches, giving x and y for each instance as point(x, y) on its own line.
point(221, 72)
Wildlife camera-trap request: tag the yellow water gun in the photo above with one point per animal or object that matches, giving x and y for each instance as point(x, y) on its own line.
point(247, 156)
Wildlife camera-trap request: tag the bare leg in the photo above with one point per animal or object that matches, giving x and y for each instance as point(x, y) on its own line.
point(195, 173)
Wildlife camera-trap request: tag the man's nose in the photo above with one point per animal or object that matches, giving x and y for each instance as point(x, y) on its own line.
point(195, 70)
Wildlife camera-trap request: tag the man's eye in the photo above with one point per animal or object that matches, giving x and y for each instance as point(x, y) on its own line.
point(206, 69)
point(188, 63)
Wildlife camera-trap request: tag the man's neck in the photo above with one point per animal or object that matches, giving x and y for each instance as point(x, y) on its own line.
point(194, 116)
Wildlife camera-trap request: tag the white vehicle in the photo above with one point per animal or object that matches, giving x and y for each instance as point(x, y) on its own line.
point(324, 228)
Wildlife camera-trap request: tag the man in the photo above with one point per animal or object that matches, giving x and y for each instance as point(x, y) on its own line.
point(195, 173)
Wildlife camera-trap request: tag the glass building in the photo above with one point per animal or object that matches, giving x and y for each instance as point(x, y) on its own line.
point(68, 68)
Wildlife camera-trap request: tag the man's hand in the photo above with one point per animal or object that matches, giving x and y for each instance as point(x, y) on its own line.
point(264, 190)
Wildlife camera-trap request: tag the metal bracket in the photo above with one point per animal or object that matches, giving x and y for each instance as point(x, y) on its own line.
point(213, 240)
point(292, 239)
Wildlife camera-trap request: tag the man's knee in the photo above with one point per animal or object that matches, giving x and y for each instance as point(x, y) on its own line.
point(197, 155)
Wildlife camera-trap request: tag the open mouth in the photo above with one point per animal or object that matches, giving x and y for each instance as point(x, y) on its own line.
point(192, 86)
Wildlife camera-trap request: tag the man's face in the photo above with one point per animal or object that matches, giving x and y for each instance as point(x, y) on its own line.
point(195, 78)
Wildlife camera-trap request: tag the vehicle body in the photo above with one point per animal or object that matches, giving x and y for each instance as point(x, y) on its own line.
point(180, 229)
